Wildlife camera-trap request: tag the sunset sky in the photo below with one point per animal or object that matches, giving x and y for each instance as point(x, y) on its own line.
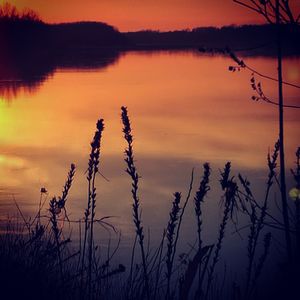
point(130, 15)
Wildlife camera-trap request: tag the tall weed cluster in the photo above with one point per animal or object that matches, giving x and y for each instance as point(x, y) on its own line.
point(56, 270)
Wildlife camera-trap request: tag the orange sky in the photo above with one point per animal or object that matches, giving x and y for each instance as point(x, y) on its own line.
point(129, 15)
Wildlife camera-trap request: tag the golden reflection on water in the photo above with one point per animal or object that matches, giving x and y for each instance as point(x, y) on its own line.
point(184, 108)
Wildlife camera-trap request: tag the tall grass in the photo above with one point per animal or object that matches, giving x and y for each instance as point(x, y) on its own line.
point(40, 246)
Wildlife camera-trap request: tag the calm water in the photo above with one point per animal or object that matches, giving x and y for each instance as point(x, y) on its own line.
point(185, 109)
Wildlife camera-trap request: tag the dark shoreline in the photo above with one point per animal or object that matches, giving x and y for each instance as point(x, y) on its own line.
point(32, 51)
point(18, 37)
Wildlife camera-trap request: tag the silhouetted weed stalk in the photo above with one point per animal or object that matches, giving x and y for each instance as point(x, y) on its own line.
point(131, 170)
point(89, 215)
point(229, 198)
point(174, 215)
point(257, 223)
point(56, 207)
point(40, 246)
point(199, 199)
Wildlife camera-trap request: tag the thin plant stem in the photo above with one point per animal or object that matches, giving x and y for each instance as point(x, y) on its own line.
point(199, 199)
point(230, 188)
point(131, 170)
point(170, 239)
point(257, 226)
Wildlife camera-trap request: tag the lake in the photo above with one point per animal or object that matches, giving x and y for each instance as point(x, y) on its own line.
point(185, 109)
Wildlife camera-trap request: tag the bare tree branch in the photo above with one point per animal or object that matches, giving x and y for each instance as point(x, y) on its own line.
point(267, 9)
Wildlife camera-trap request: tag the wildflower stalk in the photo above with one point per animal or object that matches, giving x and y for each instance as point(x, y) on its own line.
point(61, 202)
point(88, 209)
point(198, 199)
point(89, 215)
point(67, 186)
point(55, 209)
point(132, 172)
point(95, 157)
point(170, 239)
point(230, 188)
point(182, 213)
point(257, 226)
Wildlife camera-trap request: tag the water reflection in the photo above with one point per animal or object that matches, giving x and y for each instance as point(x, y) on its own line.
point(185, 109)
point(26, 71)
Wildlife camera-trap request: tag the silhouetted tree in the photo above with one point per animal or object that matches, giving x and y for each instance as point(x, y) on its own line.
point(278, 12)
point(9, 12)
